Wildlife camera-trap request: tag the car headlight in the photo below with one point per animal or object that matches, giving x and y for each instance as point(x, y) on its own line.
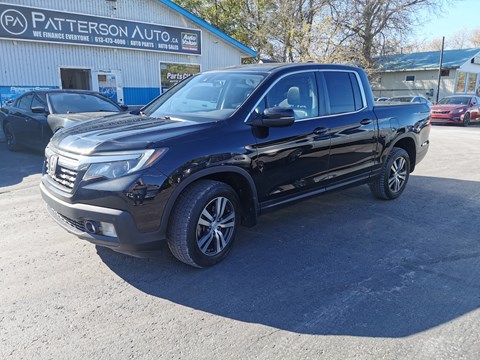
point(113, 165)
point(458, 111)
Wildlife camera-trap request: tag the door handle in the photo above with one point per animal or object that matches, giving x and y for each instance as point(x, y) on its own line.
point(366, 121)
point(320, 130)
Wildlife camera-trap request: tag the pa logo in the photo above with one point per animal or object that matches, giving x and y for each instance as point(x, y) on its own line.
point(13, 22)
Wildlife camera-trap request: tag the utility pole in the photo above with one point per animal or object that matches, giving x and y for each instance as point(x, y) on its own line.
point(440, 69)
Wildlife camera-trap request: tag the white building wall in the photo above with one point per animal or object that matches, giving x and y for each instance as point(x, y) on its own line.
point(25, 63)
point(394, 84)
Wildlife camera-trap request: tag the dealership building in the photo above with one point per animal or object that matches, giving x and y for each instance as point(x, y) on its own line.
point(130, 51)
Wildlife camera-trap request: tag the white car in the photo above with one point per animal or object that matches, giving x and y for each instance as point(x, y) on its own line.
point(410, 99)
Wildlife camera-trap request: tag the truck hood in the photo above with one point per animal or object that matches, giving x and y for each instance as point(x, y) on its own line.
point(121, 132)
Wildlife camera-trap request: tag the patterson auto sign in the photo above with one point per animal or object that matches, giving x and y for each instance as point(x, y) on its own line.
point(34, 24)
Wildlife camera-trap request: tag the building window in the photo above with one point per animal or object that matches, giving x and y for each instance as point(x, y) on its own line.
point(410, 78)
point(445, 72)
point(461, 82)
point(472, 80)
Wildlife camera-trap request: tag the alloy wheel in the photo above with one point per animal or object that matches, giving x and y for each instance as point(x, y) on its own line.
point(215, 226)
point(398, 175)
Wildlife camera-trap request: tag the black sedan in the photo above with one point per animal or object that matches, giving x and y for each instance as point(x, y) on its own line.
point(33, 118)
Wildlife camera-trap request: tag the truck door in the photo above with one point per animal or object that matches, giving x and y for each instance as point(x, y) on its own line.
point(351, 125)
point(291, 160)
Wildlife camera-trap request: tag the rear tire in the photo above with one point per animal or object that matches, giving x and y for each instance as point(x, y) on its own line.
point(394, 176)
point(10, 137)
point(203, 223)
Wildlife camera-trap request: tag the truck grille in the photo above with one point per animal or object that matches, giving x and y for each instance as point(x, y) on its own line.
point(62, 175)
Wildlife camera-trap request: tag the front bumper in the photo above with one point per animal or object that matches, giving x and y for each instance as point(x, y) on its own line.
point(447, 118)
point(128, 239)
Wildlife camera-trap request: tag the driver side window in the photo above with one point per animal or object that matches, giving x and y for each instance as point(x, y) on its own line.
point(297, 92)
point(24, 102)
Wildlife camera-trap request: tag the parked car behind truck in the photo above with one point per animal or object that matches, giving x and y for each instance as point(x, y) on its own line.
point(222, 148)
point(33, 117)
point(410, 99)
point(457, 109)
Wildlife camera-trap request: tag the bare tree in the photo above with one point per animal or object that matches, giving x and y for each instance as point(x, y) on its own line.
point(373, 24)
point(474, 38)
point(293, 26)
point(341, 31)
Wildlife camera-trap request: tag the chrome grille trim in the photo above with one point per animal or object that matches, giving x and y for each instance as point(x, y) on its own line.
point(79, 225)
point(65, 174)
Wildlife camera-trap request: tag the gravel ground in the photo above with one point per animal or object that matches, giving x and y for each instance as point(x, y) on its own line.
point(341, 276)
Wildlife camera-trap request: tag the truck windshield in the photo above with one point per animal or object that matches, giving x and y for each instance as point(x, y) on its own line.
point(209, 96)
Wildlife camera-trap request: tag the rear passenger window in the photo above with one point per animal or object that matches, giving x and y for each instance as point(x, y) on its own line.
point(343, 92)
point(357, 95)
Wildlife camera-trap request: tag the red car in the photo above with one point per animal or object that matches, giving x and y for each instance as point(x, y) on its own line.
point(457, 109)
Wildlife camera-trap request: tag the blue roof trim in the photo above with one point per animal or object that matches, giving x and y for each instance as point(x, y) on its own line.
point(452, 59)
point(209, 27)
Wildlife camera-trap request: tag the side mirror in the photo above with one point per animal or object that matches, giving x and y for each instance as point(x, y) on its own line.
point(39, 110)
point(274, 117)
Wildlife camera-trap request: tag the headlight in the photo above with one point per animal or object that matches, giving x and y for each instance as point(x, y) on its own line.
point(458, 111)
point(113, 165)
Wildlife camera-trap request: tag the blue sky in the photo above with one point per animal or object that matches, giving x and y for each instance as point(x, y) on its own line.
point(458, 16)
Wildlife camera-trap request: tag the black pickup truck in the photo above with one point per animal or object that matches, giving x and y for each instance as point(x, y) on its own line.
point(223, 147)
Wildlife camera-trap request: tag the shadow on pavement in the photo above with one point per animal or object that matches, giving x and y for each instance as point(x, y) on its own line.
point(340, 264)
point(15, 166)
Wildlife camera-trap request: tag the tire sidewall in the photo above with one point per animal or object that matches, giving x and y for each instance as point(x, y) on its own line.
point(466, 120)
point(398, 153)
point(196, 254)
point(9, 132)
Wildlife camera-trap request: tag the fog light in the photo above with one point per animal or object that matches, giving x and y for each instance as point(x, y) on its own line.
point(107, 229)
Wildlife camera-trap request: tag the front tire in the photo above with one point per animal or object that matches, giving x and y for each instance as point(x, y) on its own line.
point(394, 176)
point(466, 119)
point(10, 137)
point(203, 223)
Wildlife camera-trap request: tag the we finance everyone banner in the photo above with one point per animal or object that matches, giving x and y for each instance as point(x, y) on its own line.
point(43, 25)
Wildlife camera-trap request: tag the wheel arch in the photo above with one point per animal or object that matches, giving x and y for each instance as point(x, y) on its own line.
point(239, 179)
point(408, 144)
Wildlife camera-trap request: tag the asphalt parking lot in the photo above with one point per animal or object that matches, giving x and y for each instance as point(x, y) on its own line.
point(341, 276)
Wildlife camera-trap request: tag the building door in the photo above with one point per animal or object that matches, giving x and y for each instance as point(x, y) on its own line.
point(109, 83)
point(75, 79)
